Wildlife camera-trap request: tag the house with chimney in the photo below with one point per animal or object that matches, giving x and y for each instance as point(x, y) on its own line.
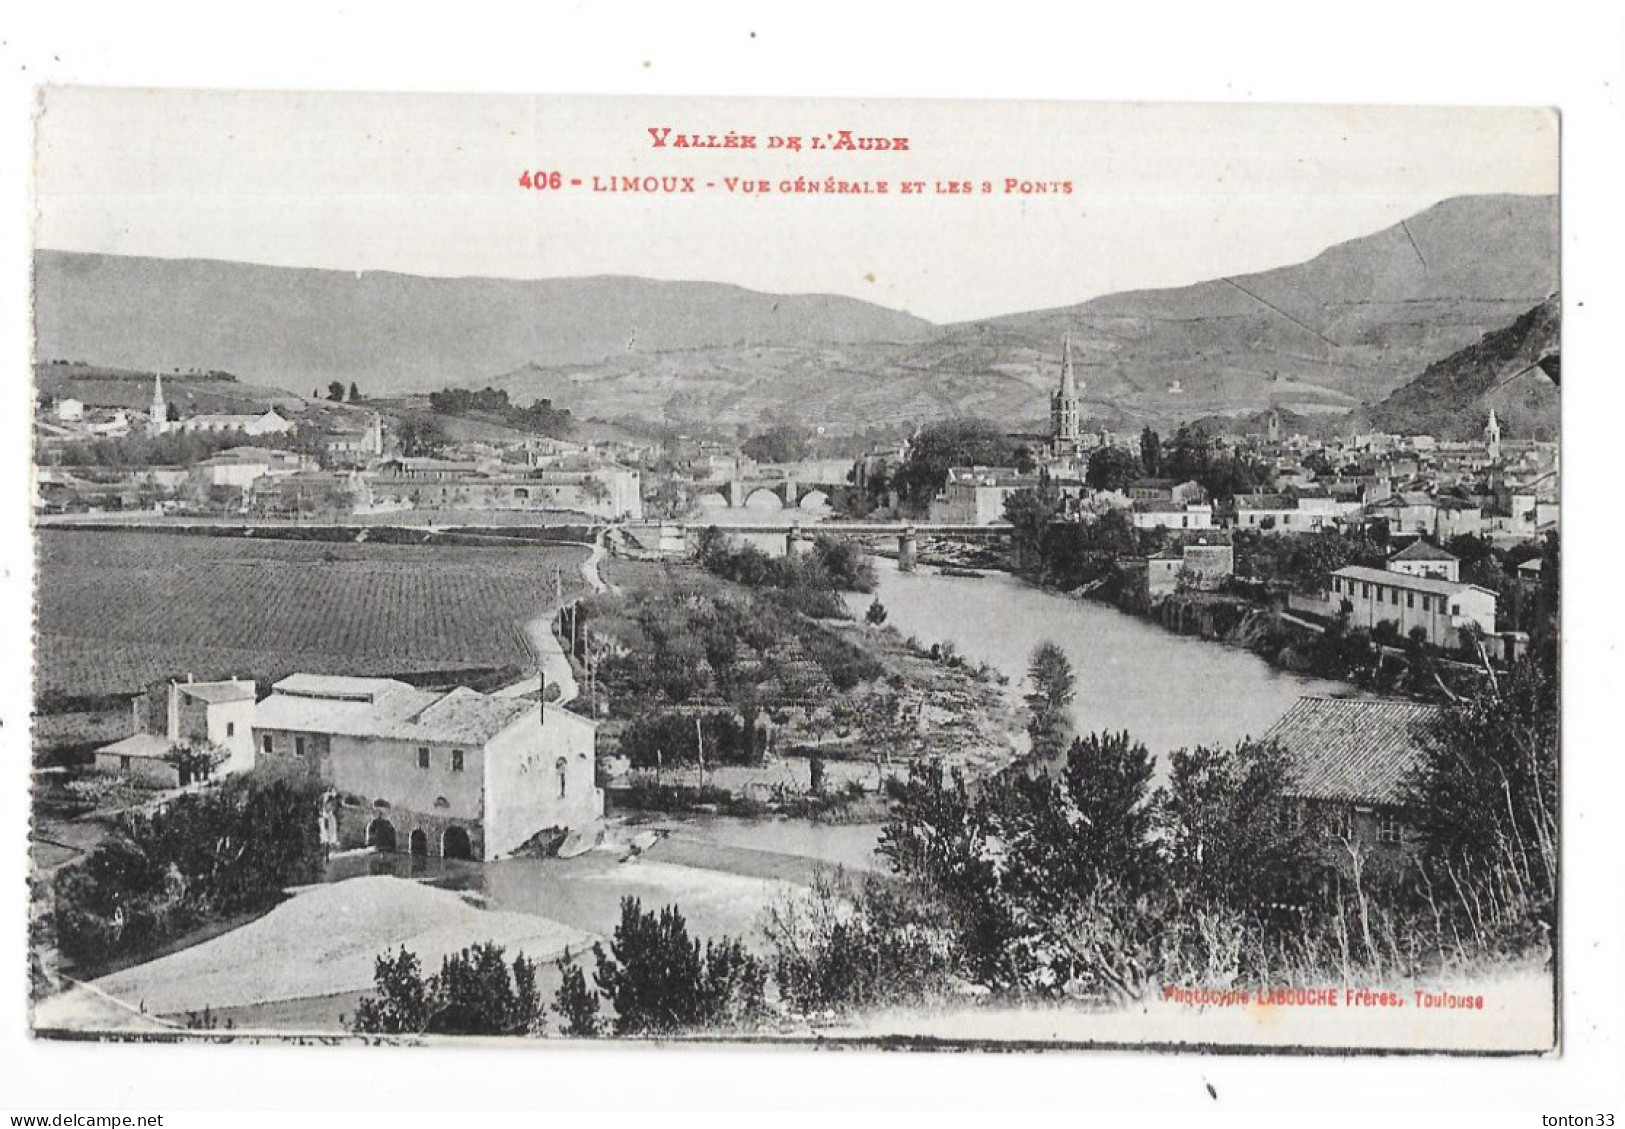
point(455, 774)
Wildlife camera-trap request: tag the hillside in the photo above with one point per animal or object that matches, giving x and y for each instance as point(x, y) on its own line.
point(1453, 397)
point(1322, 337)
point(1317, 339)
point(394, 333)
point(1348, 326)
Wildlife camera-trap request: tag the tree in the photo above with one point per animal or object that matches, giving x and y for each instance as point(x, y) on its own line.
point(876, 615)
point(1150, 453)
point(195, 761)
point(946, 444)
point(783, 443)
point(1107, 781)
point(1030, 513)
point(335, 392)
point(575, 1002)
point(420, 435)
point(474, 993)
point(1049, 703)
point(355, 393)
point(1111, 468)
point(659, 981)
point(1484, 799)
point(1227, 828)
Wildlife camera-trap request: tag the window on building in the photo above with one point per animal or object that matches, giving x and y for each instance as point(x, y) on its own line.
point(298, 746)
point(123, 763)
point(1410, 599)
point(231, 729)
point(265, 743)
point(457, 760)
point(1389, 830)
point(423, 758)
point(1365, 591)
point(1395, 597)
point(561, 766)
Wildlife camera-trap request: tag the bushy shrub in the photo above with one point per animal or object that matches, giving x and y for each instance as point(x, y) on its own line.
point(659, 980)
point(474, 993)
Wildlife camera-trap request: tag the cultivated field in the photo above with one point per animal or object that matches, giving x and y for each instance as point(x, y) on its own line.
point(119, 610)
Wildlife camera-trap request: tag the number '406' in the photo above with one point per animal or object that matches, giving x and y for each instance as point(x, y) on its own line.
point(539, 179)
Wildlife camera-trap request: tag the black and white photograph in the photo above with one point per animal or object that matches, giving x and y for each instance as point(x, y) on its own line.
point(669, 563)
point(788, 571)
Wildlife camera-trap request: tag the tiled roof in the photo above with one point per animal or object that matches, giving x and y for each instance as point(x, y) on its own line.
point(1402, 580)
point(147, 745)
point(1351, 750)
point(383, 707)
point(1265, 502)
point(1420, 550)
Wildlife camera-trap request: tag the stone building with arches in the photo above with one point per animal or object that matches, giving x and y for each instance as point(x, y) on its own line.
point(454, 774)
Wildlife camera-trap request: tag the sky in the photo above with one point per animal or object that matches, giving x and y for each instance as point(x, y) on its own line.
point(1161, 195)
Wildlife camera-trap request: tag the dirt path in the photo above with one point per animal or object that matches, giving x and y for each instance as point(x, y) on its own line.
point(546, 646)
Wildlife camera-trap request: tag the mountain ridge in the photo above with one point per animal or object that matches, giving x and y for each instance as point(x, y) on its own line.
point(1342, 329)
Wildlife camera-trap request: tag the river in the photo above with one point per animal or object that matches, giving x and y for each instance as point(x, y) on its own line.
point(1170, 691)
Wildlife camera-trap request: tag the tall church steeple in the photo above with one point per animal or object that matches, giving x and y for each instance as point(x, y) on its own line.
point(1064, 420)
point(1492, 435)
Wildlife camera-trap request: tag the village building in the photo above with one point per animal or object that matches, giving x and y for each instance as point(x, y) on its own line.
point(976, 495)
point(603, 490)
point(354, 445)
point(456, 774)
point(1443, 609)
point(1408, 512)
point(1458, 517)
point(195, 715)
point(1420, 558)
point(1274, 512)
point(240, 467)
point(1350, 762)
point(1165, 490)
point(1201, 564)
point(1172, 515)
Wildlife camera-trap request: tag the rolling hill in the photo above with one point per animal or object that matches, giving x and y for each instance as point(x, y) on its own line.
point(1324, 337)
point(393, 333)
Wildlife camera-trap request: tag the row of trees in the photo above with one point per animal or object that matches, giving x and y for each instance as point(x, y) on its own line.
point(539, 417)
point(692, 644)
point(806, 582)
point(656, 979)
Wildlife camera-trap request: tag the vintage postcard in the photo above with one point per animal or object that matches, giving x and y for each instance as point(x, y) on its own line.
point(860, 573)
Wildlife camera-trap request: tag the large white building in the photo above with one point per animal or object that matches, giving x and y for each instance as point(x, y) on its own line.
point(1442, 608)
point(458, 774)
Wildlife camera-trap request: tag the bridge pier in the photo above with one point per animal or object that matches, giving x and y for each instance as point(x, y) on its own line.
point(796, 542)
point(789, 493)
point(736, 493)
point(908, 550)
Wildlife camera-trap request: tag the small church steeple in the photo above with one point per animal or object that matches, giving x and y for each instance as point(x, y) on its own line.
point(1492, 436)
point(158, 417)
